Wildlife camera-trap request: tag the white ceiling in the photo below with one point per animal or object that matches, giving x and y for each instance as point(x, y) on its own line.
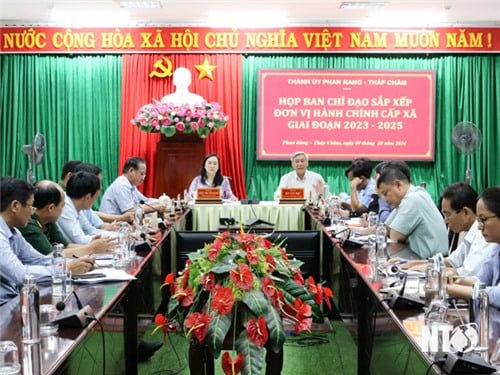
point(299, 12)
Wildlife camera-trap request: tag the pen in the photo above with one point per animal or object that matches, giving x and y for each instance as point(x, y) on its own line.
point(402, 261)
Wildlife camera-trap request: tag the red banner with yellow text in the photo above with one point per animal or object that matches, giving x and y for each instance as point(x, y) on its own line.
point(34, 39)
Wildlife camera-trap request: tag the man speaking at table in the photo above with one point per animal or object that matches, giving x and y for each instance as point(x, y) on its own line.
point(300, 177)
point(122, 195)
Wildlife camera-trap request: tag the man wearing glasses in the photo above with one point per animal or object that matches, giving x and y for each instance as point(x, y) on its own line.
point(458, 206)
point(17, 256)
point(488, 217)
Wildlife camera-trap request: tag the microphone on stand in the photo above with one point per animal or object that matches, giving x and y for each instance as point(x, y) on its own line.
point(397, 300)
point(251, 200)
point(161, 224)
point(74, 319)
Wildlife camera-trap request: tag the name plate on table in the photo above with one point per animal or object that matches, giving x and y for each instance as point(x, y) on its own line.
point(208, 196)
point(292, 195)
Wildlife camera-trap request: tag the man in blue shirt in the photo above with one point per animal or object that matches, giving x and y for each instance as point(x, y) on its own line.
point(122, 195)
point(17, 257)
point(362, 186)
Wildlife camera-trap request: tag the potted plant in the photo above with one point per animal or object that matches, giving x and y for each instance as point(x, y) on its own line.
point(169, 119)
point(238, 290)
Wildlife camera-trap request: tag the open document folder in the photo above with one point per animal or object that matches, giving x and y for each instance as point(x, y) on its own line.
point(102, 275)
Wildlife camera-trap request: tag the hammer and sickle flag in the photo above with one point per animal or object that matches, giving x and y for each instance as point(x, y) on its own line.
point(163, 68)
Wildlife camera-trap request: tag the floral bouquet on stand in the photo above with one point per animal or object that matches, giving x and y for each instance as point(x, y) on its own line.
point(169, 119)
point(239, 289)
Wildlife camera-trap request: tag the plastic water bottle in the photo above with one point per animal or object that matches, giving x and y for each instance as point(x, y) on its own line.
point(138, 215)
point(442, 277)
point(481, 314)
point(59, 271)
point(381, 238)
point(30, 310)
point(432, 281)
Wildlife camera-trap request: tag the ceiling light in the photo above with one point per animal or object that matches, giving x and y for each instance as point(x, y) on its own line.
point(138, 4)
point(361, 5)
point(405, 19)
point(247, 19)
point(89, 18)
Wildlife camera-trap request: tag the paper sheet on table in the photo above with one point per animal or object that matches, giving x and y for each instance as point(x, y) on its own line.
point(110, 274)
point(104, 260)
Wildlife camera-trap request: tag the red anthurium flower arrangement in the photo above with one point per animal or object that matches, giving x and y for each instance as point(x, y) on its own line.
point(242, 286)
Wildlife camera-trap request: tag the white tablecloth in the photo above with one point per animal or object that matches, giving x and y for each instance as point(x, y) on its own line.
point(283, 216)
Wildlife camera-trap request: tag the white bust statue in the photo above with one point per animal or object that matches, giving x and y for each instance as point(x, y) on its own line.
point(182, 80)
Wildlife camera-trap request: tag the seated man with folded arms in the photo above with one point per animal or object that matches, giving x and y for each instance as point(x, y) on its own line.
point(81, 192)
point(458, 206)
point(362, 186)
point(98, 219)
point(415, 219)
point(488, 218)
point(42, 230)
point(300, 177)
point(122, 195)
point(17, 257)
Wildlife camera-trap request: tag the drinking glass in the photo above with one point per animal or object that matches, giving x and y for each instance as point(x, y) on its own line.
point(495, 356)
point(47, 314)
point(9, 358)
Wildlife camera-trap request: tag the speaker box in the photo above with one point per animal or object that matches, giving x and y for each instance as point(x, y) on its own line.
point(460, 363)
point(74, 319)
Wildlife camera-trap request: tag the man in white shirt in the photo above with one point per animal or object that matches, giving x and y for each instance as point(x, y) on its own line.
point(300, 177)
point(458, 206)
point(82, 191)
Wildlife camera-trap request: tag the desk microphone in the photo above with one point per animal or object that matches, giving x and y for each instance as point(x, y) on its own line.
point(399, 301)
point(250, 199)
point(161, 224)
point(74, 319)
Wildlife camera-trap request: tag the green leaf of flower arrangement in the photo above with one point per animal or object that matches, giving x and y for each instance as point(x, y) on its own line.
point(168, 131)
point(254, 355)
point(173, 304)
point(257, 302)
point(275, 329)
point(217, 331)
point(291, 290)
point(203, 132)
point(222, 267)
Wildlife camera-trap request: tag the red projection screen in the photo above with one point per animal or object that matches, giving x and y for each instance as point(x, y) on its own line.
point(346, 114)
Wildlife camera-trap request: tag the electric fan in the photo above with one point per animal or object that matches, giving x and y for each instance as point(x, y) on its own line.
point(35, 152)
point(467, 139)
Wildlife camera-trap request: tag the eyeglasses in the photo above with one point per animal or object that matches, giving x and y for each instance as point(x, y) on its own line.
point(483, 220)
point(33, 208)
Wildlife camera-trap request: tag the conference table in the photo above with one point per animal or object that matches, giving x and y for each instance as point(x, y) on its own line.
point(205, 217)
point(389, 340)
point(103, 298)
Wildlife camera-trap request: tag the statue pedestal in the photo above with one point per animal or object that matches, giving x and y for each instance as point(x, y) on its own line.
point(178, 160)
